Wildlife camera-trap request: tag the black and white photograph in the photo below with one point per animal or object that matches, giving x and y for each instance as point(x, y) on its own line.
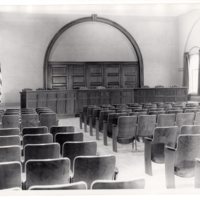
point(100, 98)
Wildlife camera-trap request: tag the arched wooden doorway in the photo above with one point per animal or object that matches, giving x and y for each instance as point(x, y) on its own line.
point(96, 19)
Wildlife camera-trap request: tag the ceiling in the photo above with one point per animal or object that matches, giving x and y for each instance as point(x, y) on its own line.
point(103, 7)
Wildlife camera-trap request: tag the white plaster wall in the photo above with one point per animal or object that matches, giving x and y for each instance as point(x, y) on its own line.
point(24, 39)
point(189, 29)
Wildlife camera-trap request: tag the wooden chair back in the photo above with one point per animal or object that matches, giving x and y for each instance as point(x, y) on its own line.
point(29, 120)
point(47, 172)
point(63, 129)
point(61, 138)
point(74, 149)
point(146, 125)
point(10, 175)
point(187, 151)
point(10, 121)
point(10, 140)
point(10, 153)
point(91, 168)
point(9, 131)
point(37, 138)
point(48, 120)
point(34, 130)
point(184, 119)
point(41, 151)
point(166, 120)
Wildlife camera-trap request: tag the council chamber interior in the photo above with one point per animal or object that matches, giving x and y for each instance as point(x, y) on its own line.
point(100, 96)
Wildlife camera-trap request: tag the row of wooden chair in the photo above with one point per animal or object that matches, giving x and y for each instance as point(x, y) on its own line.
point(43, 117)
point(125, 129)
point(177, 151)
point(54, 174)
point(42, 163)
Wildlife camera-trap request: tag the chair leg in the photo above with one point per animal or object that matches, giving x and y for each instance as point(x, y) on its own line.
point(97, 129)
point(90, 125)
point(169, 168)
point(105, 142)
point(81, 120)
point(147, 157)
point(114, 138)
point(85, 123)
point(197, 174)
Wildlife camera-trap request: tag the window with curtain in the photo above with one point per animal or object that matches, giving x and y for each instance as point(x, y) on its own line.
point(193, 73)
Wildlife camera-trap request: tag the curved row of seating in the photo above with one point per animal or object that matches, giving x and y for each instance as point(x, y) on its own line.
point(172, 139)
point(56, 160)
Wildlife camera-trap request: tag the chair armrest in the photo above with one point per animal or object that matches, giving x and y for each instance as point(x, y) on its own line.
point(148, 139)
point(169, 148)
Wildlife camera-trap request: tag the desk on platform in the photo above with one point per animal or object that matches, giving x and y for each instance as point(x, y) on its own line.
point(71, 102)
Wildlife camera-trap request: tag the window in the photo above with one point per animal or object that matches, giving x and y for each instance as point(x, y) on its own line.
point(193, 73)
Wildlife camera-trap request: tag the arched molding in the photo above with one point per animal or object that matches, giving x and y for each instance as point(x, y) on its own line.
point(94, 18)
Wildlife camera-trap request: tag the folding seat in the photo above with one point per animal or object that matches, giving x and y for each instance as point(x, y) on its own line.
point(29, 120)
point(61, 138)
point(43, 110)
point(133, 108)
point(37, 138)
point(156, 112)
point(10, 153)
point(189, 110)
point(110, 184)
point(173, 111)
point(34, 130)
point(124, 131)
point(61, 129)
point(9, 131)
point(149, 106)
point(141, 110)
point(12, 111)
point(180, 161)
point(10, 140)
point(74, 149)
point(41, 151)
point(154, 146)
point(184, 119)
point(10, 121)
point(81, 185)
point(166, 120)
point(197, 118)
point(91, 168)
point(28, 111)
point(146, 125)
point(47, 172)
point(10, 175)
point(48, 120)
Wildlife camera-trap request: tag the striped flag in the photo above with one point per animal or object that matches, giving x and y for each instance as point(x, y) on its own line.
point(0, 84)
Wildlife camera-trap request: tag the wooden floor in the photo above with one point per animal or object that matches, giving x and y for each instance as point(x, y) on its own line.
point(130, 164)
